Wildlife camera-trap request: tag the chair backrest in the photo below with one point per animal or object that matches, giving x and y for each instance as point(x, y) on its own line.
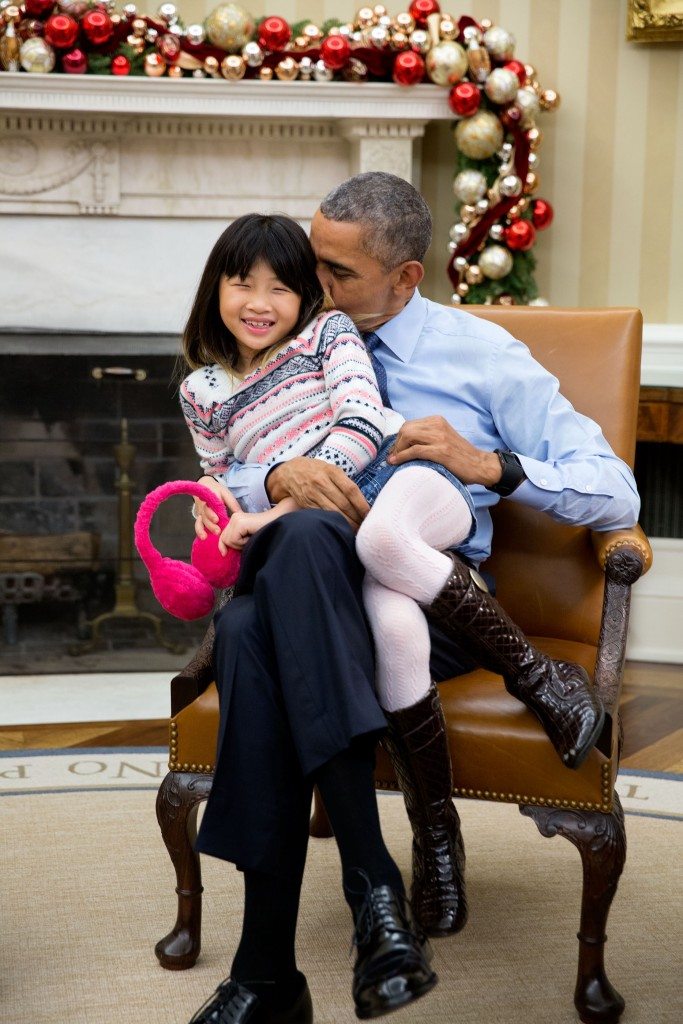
point(546, 573)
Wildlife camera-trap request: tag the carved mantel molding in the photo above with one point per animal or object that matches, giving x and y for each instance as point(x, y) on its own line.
point(91, 145)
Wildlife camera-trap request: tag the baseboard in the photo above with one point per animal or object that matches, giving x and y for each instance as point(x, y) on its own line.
point(656, 624)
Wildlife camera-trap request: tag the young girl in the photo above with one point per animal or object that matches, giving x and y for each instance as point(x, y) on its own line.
point(278, 377)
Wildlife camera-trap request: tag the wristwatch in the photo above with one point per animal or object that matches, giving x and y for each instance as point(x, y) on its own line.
point(513, 474)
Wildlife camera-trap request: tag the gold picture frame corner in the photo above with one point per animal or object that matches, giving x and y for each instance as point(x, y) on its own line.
point(655, 21)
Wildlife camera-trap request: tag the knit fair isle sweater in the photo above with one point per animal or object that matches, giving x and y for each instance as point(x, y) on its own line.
point(317, 396)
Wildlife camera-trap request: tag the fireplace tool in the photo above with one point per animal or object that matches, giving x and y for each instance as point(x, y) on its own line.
point(125, 605)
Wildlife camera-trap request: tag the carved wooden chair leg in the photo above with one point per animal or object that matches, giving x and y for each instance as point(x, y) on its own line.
point(601, 841)
point(177, 804)
point(320, 827)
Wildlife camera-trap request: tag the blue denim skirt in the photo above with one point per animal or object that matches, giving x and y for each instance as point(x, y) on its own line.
point(372, 479)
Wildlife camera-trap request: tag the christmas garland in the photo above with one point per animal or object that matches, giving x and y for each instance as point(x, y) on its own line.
point(495, 99)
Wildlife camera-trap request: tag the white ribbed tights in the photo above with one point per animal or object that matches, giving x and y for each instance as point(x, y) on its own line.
point(417, 515)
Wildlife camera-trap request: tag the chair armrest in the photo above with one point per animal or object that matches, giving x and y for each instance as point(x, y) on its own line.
point(624, 556)
point(609, 546)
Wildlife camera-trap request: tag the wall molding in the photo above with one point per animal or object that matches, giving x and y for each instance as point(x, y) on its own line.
point(657, 607)
point(662, 362)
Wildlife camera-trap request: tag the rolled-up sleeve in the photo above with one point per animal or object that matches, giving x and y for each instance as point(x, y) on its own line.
point(572, 472)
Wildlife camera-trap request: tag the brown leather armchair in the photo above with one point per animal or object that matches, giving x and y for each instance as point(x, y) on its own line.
point(569, 589)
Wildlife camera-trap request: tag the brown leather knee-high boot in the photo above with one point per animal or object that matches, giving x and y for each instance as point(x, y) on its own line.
point(418, 745)
point(558, 692)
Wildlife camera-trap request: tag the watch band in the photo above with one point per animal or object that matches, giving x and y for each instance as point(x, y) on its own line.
point(513, 474)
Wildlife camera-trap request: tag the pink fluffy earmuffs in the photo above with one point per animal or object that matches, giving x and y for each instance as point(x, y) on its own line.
point(186, 591)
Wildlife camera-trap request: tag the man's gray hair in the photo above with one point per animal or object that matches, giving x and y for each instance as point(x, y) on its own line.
point(397, 224)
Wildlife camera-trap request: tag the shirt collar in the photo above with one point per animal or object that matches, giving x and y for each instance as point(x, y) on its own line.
point(400, 334)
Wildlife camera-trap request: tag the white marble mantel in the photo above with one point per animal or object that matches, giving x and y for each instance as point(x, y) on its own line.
point(131, 180)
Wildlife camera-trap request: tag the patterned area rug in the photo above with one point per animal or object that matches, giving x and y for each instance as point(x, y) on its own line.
point(88, 889)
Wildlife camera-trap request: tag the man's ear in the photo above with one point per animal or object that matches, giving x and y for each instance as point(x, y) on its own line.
point(408, 276)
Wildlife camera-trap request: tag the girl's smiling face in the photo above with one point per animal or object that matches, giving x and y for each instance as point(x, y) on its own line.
point(258, 310)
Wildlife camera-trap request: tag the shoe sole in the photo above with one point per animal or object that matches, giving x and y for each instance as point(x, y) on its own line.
point(391, 1005)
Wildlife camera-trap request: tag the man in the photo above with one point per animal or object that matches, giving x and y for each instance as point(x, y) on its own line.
point(476, 402)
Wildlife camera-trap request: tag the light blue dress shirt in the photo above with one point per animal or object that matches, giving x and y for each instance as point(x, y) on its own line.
point(443, 361)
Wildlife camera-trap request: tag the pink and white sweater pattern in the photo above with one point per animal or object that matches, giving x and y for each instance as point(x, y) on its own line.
point(318, 397)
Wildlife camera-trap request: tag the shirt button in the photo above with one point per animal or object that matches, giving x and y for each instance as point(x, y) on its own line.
point(543, 482)
point(589, 488)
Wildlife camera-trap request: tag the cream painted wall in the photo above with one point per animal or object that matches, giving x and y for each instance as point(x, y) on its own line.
point(611, 160)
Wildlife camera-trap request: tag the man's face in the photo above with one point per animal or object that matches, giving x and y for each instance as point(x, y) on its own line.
point(357, 284)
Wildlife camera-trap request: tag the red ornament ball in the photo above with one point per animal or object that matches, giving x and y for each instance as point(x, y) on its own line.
point(274, 33)
point(520, 235)
point(120, 65)
point(75, 62)
point(37, 8)
point(61, 31)
point(409, 68)
point(421, 9)
point(97, 26)
point(518, 68)
point(511, 116)
point(542, 214)
point(464, 99)
point(335, 52)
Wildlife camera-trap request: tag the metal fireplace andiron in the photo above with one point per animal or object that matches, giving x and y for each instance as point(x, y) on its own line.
point(125, 605)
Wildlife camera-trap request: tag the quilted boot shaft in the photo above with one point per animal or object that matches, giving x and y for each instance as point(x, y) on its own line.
point(558, 692)
point(418, 744)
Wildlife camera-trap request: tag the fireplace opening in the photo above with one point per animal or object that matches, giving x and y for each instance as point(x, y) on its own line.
point(62, 539)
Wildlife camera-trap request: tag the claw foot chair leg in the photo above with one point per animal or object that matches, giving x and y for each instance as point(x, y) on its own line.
point(177, 804)
point(601, 841)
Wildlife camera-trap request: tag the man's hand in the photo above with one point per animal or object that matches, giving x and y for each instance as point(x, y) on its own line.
point(433, 438)
point(206, 517)
point(313, 483)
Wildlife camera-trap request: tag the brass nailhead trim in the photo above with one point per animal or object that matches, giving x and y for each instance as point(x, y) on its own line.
point(549, 801)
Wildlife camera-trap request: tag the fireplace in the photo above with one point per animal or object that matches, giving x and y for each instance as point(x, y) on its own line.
point(60, 534)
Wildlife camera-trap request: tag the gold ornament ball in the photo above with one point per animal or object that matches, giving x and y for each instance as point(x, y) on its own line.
point(549, 99)
point(510, 186)
point(479, 136)
point(463, 289)
point(379, 10)
point(155, 67)
point(265, 74)
point(447, 63)
point(473, 275)
point(501, 86)
point(365, 17)
point(505, 300)
point(535, 137)
point(379, 37)
point(230, 27)
point(175, 72)
point(478, 61)
point(355, 71)
point(233, 68)
point(499, 42)
point(530, 105)
point(212, 67)
point(300, 43)
point(469, 186)
point(136, 43)
point(405, 22)
point(420, 41)
point(37, 56)
point(532, 183)
point(399, 41)
point(448, 30)
point(139, 26)
point(312, 34)
point(252, 55)
point(495, 262)
point(287, 69)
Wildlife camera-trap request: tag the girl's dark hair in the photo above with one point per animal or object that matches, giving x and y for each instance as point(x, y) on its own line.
point(281, 243)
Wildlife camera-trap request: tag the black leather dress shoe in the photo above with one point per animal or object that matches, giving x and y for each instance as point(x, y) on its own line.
point(232, 1003)
point(392, 968)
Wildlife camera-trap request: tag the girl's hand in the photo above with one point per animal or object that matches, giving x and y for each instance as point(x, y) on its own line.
point(206, 518)
point(240, 528)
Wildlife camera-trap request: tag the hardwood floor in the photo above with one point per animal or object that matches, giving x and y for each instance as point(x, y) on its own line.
point(652, 711)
